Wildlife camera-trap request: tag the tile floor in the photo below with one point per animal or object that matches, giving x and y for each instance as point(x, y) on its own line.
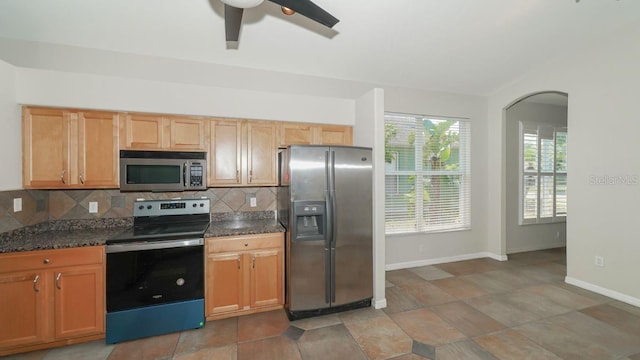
point(475, 309)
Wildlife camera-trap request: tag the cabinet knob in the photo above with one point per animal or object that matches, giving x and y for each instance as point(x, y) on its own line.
point(35, 283)
point(46, 261)
point(81, 179)
point(62, 176)
point(246, 244)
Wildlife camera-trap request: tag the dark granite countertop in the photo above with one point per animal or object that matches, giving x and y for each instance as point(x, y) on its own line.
point(62, 234)
point(77, 233)
point(243, 227)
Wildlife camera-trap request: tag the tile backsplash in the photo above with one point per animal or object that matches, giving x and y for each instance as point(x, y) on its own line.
point(44, 205)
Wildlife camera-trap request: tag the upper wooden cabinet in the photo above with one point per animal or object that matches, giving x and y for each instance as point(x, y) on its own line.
point(156, 132)
point(242, 153)
point(305, 134)
point(69, 149)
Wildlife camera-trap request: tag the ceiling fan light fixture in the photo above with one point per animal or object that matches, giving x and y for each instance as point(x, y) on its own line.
point(287, 11)
point(243, 4)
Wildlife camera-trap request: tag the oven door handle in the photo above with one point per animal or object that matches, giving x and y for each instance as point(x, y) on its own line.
point(153, 245)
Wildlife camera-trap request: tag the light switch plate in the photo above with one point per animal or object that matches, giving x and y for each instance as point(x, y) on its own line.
point(17, 204)
point(93, 207)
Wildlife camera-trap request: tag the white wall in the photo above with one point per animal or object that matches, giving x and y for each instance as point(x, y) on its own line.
point(10, 143)
point(66, 89)
point(404, 250)
point(602, 84)
point(368, 131)
point(535, 236)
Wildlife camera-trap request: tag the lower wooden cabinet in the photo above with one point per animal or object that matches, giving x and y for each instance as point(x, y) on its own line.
point(51, 298)
point(244, 274)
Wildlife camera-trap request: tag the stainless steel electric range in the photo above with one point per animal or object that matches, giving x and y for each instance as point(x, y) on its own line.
point(155, 271)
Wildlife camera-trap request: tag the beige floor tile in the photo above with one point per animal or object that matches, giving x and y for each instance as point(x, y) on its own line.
point(561, 296)
point(278, 347)
point(380, 338)
point(468, 320)
point(317, 322)
point(156, 347)
point(509, 344)
point(97, 350)
point(228, 352)
point(430, 272)
point(33, 355)
point(333, 342)
point(459, 287)
point(361, 314)
point(467, 350)
point(616, 317)
point(262, 325)
point(499, 308)
point(403, 277)
point(213, 334)
point(427, 327)
point(399, 300)
point(428, 294)
point(471, 266)
point(534, 303)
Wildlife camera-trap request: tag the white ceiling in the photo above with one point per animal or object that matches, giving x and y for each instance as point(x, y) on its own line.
point(461, 46)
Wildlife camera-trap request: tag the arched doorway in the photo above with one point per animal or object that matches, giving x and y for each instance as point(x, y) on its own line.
point(535, 172)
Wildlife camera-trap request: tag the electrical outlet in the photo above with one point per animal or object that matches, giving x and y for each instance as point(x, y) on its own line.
point(17, 204)
point(253, 202)
point(599, 261)
point(93, 207)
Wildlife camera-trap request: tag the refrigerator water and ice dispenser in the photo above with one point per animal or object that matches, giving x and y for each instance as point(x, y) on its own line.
point(309, 220)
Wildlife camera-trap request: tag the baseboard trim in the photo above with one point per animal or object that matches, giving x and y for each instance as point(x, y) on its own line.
point(536, 248)
point(603, 291)
point(412, 264)
point(380, 303)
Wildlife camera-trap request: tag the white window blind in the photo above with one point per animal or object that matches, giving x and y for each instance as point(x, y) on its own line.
point(543, 160)
point(427, 174)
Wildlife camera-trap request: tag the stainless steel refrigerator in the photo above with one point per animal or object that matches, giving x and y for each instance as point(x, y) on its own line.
point(325, 204)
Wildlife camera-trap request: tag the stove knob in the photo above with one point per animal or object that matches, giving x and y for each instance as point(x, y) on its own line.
point(201, 204)
point(149, 207)
point(194, 205)
point(141, 207)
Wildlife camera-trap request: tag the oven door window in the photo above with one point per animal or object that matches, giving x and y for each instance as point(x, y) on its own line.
point(151, 277)
point(154, 174)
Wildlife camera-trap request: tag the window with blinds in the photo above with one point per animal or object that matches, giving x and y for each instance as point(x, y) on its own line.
point(543, 162)
point(427, 174)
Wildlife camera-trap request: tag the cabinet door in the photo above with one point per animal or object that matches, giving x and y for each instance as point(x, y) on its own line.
point(97, 150)
point(45, 144)
point(188, 134)
point(262, 153)
point(334, 135)
point(224, 283)
point(22, 308)
point(143, 132)
point(294, 134)
point(79, 301)
point(224, 153)
point(266, 278)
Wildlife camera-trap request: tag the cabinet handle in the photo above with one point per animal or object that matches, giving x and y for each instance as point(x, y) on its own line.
point(238, 262)
point(81, 179)
point(35, 283)
point(237, 175)
point(62, 176)
point(46, 261)
point(58, 281)
point(253, 261)
point(250, 175)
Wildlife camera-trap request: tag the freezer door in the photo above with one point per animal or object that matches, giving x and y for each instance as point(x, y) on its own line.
point(307, 259)
point(352, 227)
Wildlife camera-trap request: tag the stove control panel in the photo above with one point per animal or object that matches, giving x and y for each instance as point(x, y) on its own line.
point(171, 207)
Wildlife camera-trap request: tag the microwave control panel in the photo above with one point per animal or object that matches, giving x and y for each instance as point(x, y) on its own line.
point(196, 175)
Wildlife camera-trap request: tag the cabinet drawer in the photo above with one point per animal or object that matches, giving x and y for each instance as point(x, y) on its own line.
point(51, 258)
point(244, 242)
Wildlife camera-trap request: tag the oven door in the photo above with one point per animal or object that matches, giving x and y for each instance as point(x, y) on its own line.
point(141, 274)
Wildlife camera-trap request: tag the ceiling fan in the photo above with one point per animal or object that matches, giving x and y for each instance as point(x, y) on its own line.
point(233, 10)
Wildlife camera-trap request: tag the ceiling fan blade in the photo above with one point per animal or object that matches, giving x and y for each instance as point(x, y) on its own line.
point(232, 21)
point(310, 10)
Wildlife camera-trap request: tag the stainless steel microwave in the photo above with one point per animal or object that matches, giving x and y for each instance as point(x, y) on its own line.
point(162, 170)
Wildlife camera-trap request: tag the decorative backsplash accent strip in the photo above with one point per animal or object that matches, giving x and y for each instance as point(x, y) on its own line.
point(43, 205)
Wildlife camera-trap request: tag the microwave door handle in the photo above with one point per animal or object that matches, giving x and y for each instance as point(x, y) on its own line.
point(184, 175)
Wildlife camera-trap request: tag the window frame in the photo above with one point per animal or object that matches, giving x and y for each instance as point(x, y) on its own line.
point(539, 173)
point(462, 173)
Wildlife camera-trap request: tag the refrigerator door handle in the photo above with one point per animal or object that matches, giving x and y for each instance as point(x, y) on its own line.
point(328, 202)
point(332, 189)
point(327, 276)
point(333, 277)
